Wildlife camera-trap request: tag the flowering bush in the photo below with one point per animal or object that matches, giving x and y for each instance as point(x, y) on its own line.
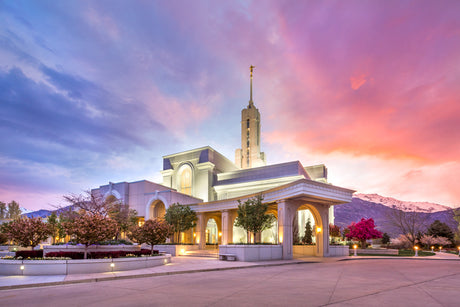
point(363, 230)
point(30, 254)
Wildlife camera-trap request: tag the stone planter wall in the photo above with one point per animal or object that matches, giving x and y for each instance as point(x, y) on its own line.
point(91, 248)
point(304, 250)
point(376, 251)
point(174, 250)
point(79, 266)
point(253, 252)
point(338, 250)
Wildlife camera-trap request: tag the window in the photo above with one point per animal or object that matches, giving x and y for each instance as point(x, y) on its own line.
point(186, 180)
point(247, 124)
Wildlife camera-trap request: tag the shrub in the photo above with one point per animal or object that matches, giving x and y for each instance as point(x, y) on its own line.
point(72, 255)
point(100, 255)
point(30, 254)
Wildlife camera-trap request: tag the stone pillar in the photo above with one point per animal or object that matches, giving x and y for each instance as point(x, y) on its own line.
point(201, 231)
point(322, 238)
point(227, 227)
point(285, 228)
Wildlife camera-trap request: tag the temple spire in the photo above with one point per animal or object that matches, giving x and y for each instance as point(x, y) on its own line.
point(251, 68)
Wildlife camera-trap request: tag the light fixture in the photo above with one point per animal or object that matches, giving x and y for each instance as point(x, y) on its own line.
point(22, 268)
point(182, 251)
point(355, 250)
point(220, 234)
point(416, 251)
point(112, 265)
point(318, 229)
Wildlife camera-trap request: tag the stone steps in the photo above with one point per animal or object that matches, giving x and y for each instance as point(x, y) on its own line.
point(202, 253)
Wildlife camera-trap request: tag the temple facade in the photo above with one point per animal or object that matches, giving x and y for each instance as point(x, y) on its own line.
point(212, 185)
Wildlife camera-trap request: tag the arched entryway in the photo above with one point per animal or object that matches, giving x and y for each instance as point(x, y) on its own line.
point(212, 232)
point(157, 209)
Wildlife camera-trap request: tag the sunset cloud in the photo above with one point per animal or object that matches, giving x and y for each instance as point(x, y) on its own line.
point(96, 92)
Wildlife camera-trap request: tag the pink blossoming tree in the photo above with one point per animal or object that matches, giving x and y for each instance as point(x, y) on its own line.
point(153, 232)
point(363, 230)
point(28, 231)
point(89, 229)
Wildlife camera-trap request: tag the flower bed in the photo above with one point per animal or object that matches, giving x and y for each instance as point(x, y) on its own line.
point(91, 249)
point(76, 266)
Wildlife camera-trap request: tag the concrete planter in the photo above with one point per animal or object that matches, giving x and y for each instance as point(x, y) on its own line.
point(174, 250)
point(91, 248)
point(338, 250)
point(253, 252)
point(304, 250)
point(79, 266)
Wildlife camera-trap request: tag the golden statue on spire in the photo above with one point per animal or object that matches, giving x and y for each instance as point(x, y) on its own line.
point(251, 68)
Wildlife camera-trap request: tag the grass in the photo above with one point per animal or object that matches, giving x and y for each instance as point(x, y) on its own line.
point(402, 253)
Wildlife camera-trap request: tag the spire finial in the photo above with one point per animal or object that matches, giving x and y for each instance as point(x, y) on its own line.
point(251, 68)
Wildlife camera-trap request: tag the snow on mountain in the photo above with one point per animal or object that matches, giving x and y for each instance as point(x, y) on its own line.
point(25, 211)
point(402, 205)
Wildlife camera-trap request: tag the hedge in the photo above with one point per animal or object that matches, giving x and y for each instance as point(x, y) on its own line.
point(100, 255)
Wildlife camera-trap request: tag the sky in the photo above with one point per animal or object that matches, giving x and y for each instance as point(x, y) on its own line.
point(99, 91)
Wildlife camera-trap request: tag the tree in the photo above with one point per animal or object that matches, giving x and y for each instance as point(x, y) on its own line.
point(123, 216)
point(308, 235)
point(3, 211)
point(53, 224)
point(363, 231)
point(408, 221)
point(91, 203)
point(28, 231)
point(152, 232)
point(181, 218)
point(456, 216)
point(14, 211)
point(386, 239)
point(89, 229)
point(440, 229)
point(334, 231)
point(252, 216)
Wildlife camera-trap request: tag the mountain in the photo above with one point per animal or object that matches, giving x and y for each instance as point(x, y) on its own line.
point(403, 205)
point(379, 208)
point(39, 213)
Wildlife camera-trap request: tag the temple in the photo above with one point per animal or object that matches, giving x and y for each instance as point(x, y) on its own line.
point(211, 185)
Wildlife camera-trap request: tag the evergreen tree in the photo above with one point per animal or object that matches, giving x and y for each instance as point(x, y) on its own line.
point(53, 225)
point(385, 238)
point(308, 236)
point(3, 211)
point(440, 229)
point(13, 210)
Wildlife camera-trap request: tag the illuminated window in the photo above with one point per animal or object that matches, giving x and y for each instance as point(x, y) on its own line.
point(186, 181)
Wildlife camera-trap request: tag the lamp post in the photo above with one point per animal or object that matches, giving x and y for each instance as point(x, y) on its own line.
point(440, 248)
point(459, 251)
point(355, 249)
point(416, 251)
point(432, 249)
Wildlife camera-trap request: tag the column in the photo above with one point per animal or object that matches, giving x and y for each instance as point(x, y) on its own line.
point(322, 237)
point(201, 230)
point(285, 228)
point(227, 227)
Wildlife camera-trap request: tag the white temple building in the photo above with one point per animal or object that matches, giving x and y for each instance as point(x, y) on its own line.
point(211, 185)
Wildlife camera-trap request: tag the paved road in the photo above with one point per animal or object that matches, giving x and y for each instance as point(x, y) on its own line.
point(379, 282)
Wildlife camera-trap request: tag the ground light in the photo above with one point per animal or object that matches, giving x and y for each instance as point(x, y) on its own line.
point(112, 265)
point(182, 251)
point(355, 248)
point(416, 251)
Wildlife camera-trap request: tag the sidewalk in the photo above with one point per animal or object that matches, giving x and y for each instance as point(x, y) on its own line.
point(178, 265)
point(182, 265)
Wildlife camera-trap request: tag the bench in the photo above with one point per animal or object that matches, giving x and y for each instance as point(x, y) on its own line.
point(228, 257)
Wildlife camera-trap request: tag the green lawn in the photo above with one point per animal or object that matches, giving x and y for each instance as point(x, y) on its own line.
point(402, 253)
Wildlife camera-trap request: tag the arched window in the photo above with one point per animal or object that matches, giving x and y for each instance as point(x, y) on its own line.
point(186, 180)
